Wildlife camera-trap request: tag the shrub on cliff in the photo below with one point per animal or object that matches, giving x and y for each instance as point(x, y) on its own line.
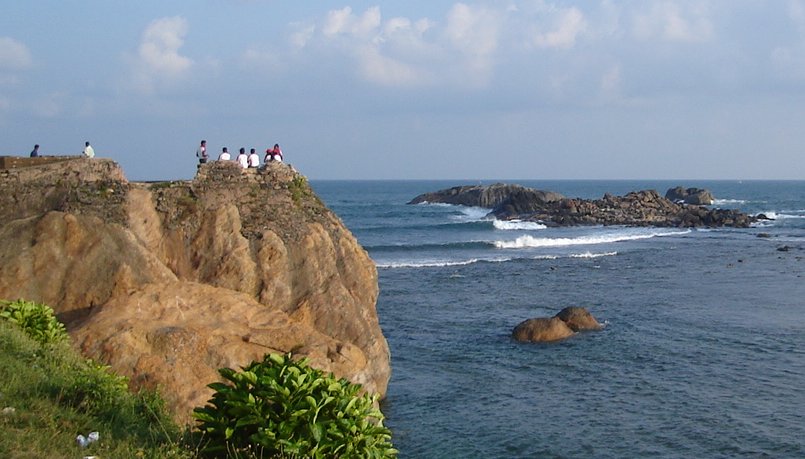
point(37, 320)
point(284, 407)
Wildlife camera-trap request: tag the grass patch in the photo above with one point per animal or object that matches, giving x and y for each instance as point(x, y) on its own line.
point(49, 395)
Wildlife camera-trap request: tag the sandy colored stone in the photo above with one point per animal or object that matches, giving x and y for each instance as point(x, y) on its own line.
point(578, 319)
point(541, 330)
point(167, 282)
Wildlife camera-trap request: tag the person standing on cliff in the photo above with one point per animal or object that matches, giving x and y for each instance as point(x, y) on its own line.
point(88, 151)
point(201, 153)
point(35, 151)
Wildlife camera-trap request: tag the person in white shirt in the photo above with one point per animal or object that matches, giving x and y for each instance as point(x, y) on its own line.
point(254, 158)
point(201, 153)
point(243, 159)
point(88, 151)
point(224, 156)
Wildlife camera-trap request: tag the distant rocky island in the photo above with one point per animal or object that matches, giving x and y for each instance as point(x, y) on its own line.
point(680, 207)
point(168, 281)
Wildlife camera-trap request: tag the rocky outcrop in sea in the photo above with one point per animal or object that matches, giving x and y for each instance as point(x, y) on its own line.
point(638, 208)
point(167, 282)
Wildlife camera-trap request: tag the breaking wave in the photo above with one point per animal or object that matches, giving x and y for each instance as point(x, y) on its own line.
point(535, 242)
point(517, 225)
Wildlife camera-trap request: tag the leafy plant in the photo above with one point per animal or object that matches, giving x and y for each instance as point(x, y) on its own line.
point(95, 387)
point(299, 188)
point(281, 406)
point(37, 320)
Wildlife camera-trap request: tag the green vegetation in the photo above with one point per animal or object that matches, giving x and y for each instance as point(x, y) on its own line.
point(279, 406)
point(49, 395)
point(299, 189)
point(37, 320)
point(276, 408)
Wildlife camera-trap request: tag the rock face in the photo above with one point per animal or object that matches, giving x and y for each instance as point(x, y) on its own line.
point(565, 324)
point(542, 330)
point(640, 208)
point(695, 196)
point(578, 319)
point(167, 282)
point(490, 196)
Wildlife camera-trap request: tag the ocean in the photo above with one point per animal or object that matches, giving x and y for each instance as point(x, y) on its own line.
point(703, 353)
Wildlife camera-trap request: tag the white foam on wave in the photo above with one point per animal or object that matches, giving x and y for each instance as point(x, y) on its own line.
point(725, 202)
point(472, 213)
point(593, 255)
point(427, 264)
point(537, 242)
point(517, 225)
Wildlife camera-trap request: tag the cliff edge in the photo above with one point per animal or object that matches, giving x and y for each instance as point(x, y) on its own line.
point(167, 282)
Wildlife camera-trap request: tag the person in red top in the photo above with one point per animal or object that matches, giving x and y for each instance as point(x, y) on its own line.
point(274, 154)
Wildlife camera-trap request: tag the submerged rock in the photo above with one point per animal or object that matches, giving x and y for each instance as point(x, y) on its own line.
point(542, 330)
point(563, 325)
point(578, 319)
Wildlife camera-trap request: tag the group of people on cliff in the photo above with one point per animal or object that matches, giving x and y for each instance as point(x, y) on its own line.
point(87, 152)
point(245, 160)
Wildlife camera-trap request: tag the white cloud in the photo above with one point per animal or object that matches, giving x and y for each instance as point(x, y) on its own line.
point(669, 21)
point(570, 23)
point(13, 54)
point(387, 53)
point(473, 30)
point(386, 71)
point(158, 59)
point(303, 34)
point(340, 22)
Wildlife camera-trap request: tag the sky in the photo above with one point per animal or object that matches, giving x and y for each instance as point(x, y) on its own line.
point(415, 89)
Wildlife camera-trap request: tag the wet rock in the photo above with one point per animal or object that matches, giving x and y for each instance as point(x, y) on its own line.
point(637, 208)
point(695, 196)
point(566, 323)
point(578, 319)
point(542, 330)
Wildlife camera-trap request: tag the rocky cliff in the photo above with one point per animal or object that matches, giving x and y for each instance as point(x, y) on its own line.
point(167, 282)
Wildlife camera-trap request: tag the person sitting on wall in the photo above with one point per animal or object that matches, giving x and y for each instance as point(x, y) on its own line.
point(224, 156)
point(35, 151)
point(88, 151)
point(243, 160)
point(274, 154)
point(254, 158)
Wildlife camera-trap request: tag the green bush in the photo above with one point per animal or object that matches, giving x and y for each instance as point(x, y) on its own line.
point(282, 407)
point(37, 320)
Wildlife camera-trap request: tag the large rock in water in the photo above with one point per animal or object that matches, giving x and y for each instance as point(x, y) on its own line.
point(695, 196)
point(563, 325)
point(490, 196)
point(167, 282)
point(542, 330)
point(637, 208)
point(578, 319)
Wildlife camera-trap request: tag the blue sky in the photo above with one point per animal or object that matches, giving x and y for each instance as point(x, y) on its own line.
point(532, 89)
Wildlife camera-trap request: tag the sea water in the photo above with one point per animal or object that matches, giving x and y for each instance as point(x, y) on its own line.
point(703, 354)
